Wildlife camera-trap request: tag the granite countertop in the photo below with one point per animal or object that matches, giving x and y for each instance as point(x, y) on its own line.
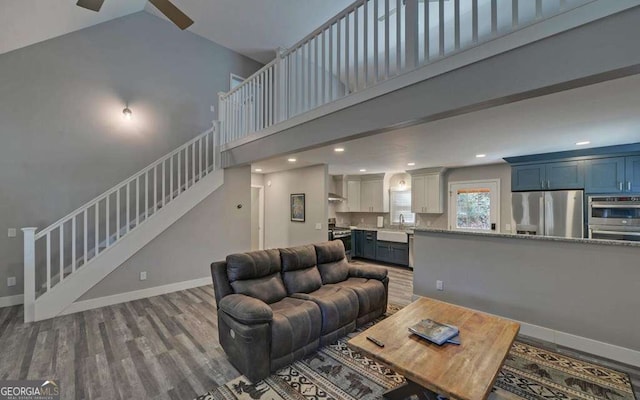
point(531, 237)
point(409, 231)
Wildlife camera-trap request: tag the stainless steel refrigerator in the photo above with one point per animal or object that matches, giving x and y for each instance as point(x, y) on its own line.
point(558, 213)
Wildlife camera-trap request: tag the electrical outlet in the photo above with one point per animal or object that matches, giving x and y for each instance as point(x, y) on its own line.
point(428, 223)
point(318, 226)
point(12, 232)
point(439, 285)
point(11, 281)
point(361, 219)
point(507, 227)
point(143, 275)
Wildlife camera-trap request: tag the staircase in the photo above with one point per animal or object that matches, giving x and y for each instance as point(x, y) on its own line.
point(64, 260)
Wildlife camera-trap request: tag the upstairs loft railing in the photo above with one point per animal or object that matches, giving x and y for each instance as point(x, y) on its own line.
point(370, 42)
point(56, 252)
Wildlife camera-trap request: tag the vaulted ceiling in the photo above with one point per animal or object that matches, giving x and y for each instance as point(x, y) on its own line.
point(254, 28)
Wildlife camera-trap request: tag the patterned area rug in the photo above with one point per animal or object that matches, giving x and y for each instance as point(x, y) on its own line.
point(337, 372)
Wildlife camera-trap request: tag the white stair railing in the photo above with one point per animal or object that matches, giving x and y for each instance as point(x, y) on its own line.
point(370, 42)
point(57, 251)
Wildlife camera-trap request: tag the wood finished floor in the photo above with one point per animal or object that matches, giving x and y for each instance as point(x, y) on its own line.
point(163, 347)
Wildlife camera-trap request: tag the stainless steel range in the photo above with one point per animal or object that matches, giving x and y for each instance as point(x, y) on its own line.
point(343, 234)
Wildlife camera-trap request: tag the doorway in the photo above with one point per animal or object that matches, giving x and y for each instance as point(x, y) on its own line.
point(475, 206)
point(257, 217)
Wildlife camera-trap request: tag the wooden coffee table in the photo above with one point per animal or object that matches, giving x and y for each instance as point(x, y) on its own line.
point(467, 371)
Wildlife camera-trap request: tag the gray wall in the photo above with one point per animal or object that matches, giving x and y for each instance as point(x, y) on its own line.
point(279, 230)
point(62, 136)
point(587, 290)
point(209, 232)
point(481, 172)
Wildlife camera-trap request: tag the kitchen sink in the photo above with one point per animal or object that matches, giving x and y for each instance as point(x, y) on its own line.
point(393, 236)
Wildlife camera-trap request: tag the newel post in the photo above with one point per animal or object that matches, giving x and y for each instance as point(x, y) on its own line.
point(29, 273)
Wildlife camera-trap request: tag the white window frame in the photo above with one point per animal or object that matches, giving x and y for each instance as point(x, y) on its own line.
point(474, 184)
point(391, 208)
point(234, 77)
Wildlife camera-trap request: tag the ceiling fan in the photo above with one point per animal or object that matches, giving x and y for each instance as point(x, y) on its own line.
point(164, 6)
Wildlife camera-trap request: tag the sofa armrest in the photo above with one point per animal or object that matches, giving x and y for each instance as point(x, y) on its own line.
point(245, 309)
point(367, 271)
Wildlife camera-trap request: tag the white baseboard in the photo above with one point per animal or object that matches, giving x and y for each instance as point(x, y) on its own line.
point(98, 302)
point(580, 343)
point(9, 301)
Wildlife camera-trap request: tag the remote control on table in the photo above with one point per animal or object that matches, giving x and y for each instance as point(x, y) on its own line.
point(375, 341)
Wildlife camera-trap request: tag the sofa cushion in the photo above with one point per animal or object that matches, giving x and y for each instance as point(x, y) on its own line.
point(339, 306)
point(295, 324)
point(257, 274)
point(371, 293)
point(254, 264)
point(299, 269)
point(332, 261)
point(268, 288)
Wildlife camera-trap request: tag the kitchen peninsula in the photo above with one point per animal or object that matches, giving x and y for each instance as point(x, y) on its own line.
point(579, 293)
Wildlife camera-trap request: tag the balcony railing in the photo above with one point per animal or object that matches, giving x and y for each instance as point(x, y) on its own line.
point(370, 42)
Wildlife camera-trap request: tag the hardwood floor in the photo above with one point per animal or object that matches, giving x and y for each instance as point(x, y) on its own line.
point(163, 347)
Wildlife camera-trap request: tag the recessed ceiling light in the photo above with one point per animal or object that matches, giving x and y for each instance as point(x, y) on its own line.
point(481, 155)
point(363, 170)
point(258, 169)
point(411, 164)
point(583, 143)
point(339, 149)
point(292, 160)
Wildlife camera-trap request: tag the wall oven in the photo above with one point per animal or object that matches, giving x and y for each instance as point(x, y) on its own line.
point(614, 217)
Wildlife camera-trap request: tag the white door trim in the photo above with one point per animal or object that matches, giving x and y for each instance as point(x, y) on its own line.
point(260, 216)
point(451, 208)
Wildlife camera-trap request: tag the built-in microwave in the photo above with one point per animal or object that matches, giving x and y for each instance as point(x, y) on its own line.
point(614, 210)
point(614, 217)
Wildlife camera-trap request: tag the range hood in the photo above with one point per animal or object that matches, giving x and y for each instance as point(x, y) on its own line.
point(335, 197)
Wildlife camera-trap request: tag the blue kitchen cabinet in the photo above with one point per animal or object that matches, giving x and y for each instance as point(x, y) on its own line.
point(605, 175)
point(357, 241)
point(548, 176)
point(528, 177)
point(383, 252)
point(564, 175)
point(392, 252)
point(632, 174)
point(400, 253)
point(369, 244)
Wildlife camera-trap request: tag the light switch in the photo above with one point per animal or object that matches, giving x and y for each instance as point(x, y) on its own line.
point(318, 226)
point(12, 232)
point(11, 281)
point(143, 275)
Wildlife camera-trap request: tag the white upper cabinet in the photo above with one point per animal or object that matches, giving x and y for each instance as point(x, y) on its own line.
point(364, 193)
point(353, 196)
point(427, 191)
point(372, 196)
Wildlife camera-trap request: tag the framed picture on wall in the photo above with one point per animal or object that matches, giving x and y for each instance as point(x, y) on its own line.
point(297, 207)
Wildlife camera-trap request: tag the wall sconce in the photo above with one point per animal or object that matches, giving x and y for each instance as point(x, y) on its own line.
point(402, 184)
point(127, 113)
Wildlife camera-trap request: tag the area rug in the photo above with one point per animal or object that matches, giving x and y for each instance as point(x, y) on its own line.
point(337, 372)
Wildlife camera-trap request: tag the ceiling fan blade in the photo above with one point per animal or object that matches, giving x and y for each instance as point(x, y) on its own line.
point(93, 5)
point(173, 13)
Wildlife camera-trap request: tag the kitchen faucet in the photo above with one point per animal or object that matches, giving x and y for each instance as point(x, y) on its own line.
point(401, 221)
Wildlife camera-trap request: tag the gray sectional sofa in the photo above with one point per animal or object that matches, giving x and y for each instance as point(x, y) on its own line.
point(277, 306)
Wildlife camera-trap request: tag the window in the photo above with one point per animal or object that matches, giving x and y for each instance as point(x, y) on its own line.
point(234, 81)
point(401, 204)
point(474, 206)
